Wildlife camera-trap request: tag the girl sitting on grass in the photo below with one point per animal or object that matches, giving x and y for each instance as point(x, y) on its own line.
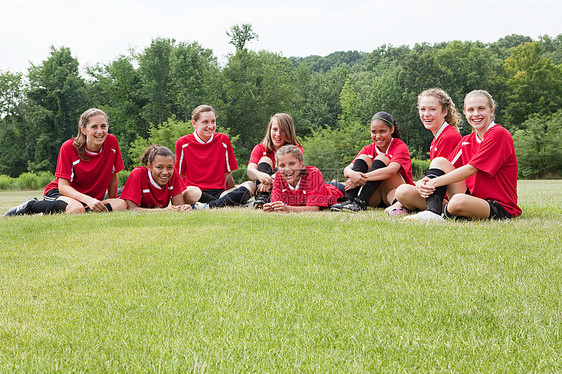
point(488, 169)
point(299, 188)
point(261, 167)
point(376, 172)
point(439, 115)
point(87, 168)
point(205, 161)
point(155, 185)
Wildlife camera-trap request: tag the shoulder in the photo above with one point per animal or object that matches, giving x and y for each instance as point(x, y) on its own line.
point(186, 139)
point(498, 131)
point(139, 170)
point(219, 136)
point(258, 148)
point(111, 139)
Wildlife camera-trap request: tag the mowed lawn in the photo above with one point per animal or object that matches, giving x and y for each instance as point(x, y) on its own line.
point(236, 290)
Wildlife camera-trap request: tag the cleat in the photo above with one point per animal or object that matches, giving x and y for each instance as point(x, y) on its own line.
point(23, 208)
point(339, 206)
point(200, 206)
point(425, 215)
point(357, 205)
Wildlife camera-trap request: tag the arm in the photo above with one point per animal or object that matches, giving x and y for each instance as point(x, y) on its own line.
point(454, 176)
point(178, 204)
point(67, 190)
point(279, 206)
point(266, 180)
point(229, 180)
point(383, 173)
point(113, 186)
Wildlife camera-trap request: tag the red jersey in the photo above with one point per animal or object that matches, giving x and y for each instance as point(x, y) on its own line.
point(494, 157)
point(90, 177)
point(204, 164)
point(142, 189)
point(444, 142)
point(310, 191)
point(259, 151)
point(397, 152)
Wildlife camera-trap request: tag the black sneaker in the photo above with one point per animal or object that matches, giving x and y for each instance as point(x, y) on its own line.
point(356, 206)
point(339, 206)
point(23, 208)
point(261, 198)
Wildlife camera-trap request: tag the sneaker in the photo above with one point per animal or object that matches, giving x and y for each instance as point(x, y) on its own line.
point(200, 206)
point(356, 206)
point(23, 208)
point(339, 206)
point(261, 198)
point(425, 215)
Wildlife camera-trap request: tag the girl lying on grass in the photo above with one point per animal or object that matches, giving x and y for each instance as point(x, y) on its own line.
point(261, 167)
point(155, 185)
point(87, 168)
point(380, 167)
point(439, 115)
point(299, 188)
point(485, 185)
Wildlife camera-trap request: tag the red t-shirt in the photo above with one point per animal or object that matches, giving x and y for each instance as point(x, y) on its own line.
point(204, 164)
point(444, 142)
point(259, 151)
point(143, 190)
point(90, 177)
point(397, 152)
point(310, 191)
point(494, 157)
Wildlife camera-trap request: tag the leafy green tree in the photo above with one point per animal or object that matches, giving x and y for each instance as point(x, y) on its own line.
point(552, 47)
point(534, 84)
point(538, 145)
point(240, 35)
point(57, 97)
point(154, 67)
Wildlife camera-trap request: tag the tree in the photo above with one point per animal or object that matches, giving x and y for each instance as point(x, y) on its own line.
point(240, 35)
point(57, 97)
point(534, 84)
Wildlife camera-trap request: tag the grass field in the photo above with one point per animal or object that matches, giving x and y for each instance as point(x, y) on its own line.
point(236, 290)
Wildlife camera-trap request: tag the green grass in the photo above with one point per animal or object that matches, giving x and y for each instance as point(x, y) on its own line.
point(242, 291)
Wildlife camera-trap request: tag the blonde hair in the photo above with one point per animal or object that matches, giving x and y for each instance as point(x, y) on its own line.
point(487, 95)
point(452, 117)
point(80, 140)
point(290, 149)
point(286, 128)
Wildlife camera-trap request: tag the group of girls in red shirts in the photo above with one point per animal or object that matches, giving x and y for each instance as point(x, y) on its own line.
point(472, 177)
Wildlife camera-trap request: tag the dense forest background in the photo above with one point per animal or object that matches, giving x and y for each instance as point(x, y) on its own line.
point(149, 96)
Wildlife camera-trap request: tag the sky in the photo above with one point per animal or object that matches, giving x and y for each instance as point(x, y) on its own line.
point(99, 31)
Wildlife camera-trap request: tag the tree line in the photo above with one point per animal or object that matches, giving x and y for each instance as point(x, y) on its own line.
point(149, 96)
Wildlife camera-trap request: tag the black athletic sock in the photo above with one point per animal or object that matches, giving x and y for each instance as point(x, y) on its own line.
point(109, 207)
point(361, 166)
point(264, 167)
point(234, 198)
point(435, 200)
point(206, 197)
point(370, 187)
point(48, 207)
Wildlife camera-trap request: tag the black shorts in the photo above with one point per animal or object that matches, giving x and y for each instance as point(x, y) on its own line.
point(52, 195)
point(210, 195)
point(497, 211)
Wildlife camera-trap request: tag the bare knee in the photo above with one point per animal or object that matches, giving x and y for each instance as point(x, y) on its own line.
point(75, 208)
point(191, 194)
point(457, 204)
point(250, 186)
point(441, 163)
point(117, 204)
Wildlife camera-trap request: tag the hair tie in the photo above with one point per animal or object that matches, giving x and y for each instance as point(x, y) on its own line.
point(382, 119)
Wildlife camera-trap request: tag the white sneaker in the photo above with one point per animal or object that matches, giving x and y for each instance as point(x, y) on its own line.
point(426, 215)
point(200, 206)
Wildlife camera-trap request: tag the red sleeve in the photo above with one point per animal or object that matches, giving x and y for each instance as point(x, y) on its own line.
point(133, 187)
point(231, 163)
point(447, 143)
point(65, 160)
point(316, 191)
point(494, 151)
point(177, 166)
point(277, 188)
point(257, 154)
point(177, 183)
point(118, 164)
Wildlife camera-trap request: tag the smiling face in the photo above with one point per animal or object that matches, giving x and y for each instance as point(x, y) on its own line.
point(161, 169)
point(206, 125)
point(381, 134)
point(277, 137)
point(290, 168)
point(96, 132)
point(431, 113)
point(478, 113)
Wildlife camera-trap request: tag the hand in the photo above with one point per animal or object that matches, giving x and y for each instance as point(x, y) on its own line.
point(275, 206)
point(266, 179)
point(96, 206)
point(426, 188)
point(357, 178)
point(262, 187)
